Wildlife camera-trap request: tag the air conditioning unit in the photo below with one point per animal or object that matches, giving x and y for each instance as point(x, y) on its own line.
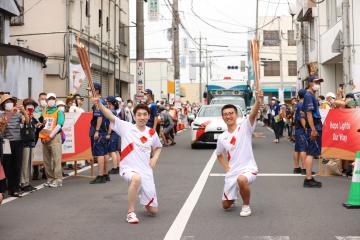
point(297, 31)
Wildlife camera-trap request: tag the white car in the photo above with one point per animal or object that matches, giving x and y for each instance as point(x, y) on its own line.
point(208, 125)
point(238, 101)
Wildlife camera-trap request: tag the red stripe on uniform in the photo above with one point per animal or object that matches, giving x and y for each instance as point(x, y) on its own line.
point(143, 139)
point(150, 202)
point(226, 197)
point(151, 132)
point(233, 140)
point(127, 150)
point(228, 155)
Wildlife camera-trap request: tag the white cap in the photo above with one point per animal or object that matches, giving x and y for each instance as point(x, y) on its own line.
point(60, 103)
point(119, 99)
point(330, 94)
point(49, 95)
point(273, 98)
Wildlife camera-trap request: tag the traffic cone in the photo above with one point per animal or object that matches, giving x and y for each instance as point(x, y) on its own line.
point(354, 194)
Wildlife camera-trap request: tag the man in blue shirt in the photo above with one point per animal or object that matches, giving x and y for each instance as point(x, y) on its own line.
point(276, 119)
point(300, 135)
point(313, 128)
point(149, 99)
point(98, 132)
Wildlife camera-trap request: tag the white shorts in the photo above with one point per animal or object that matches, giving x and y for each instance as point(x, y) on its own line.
point(231, 186)
point(147, 190)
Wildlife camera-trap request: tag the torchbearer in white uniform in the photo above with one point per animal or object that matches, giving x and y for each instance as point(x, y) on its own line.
point(140, 150)
point(235, 154)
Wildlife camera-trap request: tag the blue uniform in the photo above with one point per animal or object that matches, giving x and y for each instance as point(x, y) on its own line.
point(153, 114)
point(300, 133)
point(113, 144)
point(98, 147)
point(311, 105)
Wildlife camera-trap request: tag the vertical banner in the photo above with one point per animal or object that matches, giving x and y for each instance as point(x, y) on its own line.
point(77, 77)
point(177, 93)
point(140, 76)
point(153, 10)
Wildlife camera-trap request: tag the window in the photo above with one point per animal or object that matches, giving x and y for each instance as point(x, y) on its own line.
point(107, 24)
point(29, 87)
point(2, 26)
point(122, 33)
point(272, 68)
point(117, 87)
point(292, 68)
point(338, 9)
point(87, 8)
point(18, 20)
point(291, 38)
point(271, 38)
point(100, 18)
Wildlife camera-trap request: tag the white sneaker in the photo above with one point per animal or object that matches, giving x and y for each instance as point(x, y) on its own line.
point(131, 218)
point(48, 183)
point(245, 211)
point(55, 184)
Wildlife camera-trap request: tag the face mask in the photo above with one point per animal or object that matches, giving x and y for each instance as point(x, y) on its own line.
point(43, 103)
point(61, 108)
point(9, 106)
point(129, 105)
point(29, 107)
point(316, 87)
point(51, 103)
point(145, 98)
point(273, 102)
point(74, 104)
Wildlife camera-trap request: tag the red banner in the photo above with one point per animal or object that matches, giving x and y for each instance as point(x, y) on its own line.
point(340, 136)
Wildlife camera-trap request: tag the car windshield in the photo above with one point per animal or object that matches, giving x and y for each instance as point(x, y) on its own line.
point(214, 111)
point(239, 102)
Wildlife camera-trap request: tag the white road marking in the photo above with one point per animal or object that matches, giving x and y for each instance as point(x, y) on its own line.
point(177, 228)
point(263, 175)
point(265, 238)
point(41, 186)
point(348, 238)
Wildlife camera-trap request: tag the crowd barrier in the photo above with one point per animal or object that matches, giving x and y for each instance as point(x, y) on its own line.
point(340, 134)
point(77, 144)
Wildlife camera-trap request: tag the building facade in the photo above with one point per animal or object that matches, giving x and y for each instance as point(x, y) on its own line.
point(320, 45)
point(21, 69)
point(52, 27)
point(278, 67)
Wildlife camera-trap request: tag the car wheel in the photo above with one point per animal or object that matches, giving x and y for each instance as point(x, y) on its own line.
point(194, 146)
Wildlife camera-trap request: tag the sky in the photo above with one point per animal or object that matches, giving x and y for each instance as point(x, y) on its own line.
point(226, 23)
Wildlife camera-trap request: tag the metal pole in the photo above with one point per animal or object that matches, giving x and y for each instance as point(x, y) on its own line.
point(200, 73)
point(140, 64)
point(346, 45)
point(175, 25)
point(281, 92)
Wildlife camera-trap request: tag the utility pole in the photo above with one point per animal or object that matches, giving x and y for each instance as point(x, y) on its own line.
point(200, 73)
point(346, 44)
point(175, 29)
point(140, 63)
point(281, 90)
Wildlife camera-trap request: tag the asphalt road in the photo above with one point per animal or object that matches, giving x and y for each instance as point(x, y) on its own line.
point(189, 185)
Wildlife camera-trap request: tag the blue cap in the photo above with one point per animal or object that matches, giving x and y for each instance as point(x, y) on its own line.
point(148, 91)
point(350, 95)
point(301, 93)
point(97, 86)
point(112, 100)
point(314, 79)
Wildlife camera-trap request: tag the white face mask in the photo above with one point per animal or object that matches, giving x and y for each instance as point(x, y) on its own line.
point(43, 103)
point(74, 104)
point(129, 105)
point(29, 107)
point(316, 87)
point(51, 103)
point(273, 102)
point(9, 106)
point(61, 108)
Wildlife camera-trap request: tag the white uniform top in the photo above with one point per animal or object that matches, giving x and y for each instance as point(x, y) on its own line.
point(237, 149)
point(136, 147)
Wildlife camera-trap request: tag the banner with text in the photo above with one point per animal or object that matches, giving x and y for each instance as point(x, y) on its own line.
point(340, 136)
point(77, 141)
